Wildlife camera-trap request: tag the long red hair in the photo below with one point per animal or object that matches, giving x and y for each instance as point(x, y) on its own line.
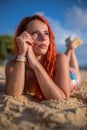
point(50, 57)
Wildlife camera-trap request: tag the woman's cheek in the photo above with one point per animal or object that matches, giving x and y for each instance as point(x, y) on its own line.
point(34, 38)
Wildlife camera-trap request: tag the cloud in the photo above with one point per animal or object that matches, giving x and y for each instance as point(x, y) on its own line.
point(76, 18)
point(60, 33)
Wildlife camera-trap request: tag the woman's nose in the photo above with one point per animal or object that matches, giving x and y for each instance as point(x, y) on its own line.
point(42, 37)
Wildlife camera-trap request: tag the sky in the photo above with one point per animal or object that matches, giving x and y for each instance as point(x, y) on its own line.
point(66, 18)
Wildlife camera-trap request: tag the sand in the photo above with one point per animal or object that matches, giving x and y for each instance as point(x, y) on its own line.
point(24, 113)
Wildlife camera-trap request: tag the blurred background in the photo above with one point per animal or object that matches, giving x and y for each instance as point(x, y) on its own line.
point(66, 17)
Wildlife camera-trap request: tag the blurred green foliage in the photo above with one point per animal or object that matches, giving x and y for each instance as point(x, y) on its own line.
point(6, 46)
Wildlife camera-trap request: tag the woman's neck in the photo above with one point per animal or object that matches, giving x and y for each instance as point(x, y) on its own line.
point(40, 58)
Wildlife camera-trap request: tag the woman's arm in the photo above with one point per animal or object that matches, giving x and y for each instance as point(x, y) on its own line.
point(57, 89)
point(15, 78)
point(61, 77)
point(15, 71)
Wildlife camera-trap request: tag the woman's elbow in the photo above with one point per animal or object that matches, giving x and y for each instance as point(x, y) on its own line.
point(64, 96)
point(61, 96)
point(11, 93)
point(67, 95)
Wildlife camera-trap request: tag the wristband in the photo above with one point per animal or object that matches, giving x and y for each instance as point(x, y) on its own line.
point(21, 58)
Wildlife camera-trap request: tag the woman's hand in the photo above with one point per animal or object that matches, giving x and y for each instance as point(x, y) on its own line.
point(23, 41)
point(25, 44)
point(32, 60)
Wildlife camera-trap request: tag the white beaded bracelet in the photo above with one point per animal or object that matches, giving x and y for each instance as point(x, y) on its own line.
point(21, 58)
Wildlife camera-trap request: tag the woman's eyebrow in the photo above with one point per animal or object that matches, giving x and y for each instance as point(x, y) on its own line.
point(46, 31)
point(36, 30)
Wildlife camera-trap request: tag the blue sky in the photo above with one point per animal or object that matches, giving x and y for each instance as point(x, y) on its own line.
point(66, 17)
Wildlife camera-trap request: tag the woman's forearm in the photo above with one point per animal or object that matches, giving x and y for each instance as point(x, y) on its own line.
point(49, 88)
point(15, 80)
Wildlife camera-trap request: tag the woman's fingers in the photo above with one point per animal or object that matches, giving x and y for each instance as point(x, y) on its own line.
point(28, 37)
point(24, 38)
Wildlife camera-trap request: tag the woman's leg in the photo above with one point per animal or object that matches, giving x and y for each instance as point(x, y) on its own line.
point(73, 63)
point(70, 52)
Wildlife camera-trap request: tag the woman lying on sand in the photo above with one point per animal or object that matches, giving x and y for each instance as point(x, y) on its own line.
point(38, 69)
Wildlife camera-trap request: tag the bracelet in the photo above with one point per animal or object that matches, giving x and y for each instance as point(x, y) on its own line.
point(21, 58)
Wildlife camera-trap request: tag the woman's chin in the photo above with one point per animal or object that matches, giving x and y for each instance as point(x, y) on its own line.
point(42, 52)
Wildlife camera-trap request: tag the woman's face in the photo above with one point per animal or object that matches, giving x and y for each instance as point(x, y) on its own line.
point(40, 34)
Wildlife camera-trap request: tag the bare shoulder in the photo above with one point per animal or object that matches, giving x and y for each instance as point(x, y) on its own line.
point(61, 69)
point(61, 59)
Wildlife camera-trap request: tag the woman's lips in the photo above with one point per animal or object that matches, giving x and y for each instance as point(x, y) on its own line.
point(43, 46)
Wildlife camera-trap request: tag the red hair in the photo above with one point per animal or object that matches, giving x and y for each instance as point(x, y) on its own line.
point(50, 57)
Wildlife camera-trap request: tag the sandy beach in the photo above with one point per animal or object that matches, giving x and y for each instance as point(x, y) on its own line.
point(24, 113)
